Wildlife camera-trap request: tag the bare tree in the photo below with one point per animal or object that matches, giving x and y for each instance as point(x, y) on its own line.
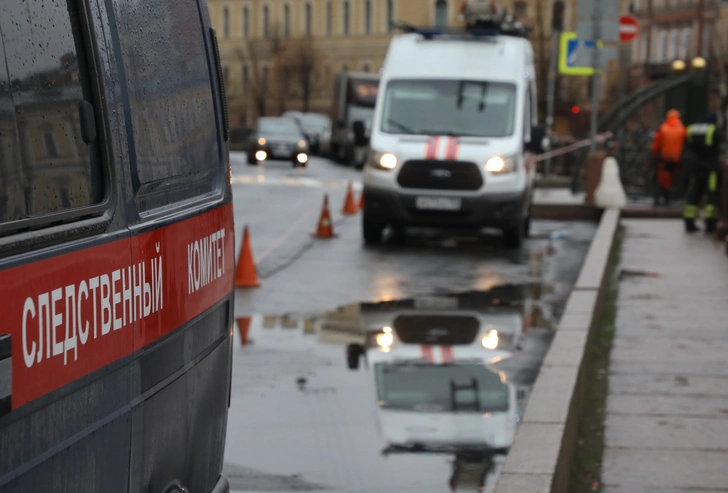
point(303, 60)
point(257, 83)
point(719, 59)
point(541, 40)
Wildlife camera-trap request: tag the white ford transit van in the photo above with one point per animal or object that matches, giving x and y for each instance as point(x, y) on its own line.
point(454, 135)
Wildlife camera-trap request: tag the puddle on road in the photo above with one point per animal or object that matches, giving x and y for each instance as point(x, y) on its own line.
point(418, 394)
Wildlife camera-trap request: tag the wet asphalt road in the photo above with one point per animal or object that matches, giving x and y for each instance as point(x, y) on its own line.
point(300, 420)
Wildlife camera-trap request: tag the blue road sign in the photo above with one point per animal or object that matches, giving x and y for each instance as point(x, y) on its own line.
point(573, 46)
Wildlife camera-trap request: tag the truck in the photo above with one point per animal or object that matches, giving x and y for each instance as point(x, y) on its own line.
point(354, 98)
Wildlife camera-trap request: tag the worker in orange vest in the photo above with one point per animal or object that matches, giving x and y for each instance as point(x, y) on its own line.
point(667, 147)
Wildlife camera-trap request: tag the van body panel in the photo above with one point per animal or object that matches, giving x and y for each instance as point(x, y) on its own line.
point(130, 389)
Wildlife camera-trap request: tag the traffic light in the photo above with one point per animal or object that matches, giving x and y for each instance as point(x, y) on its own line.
point(557, 16)
point(575, 110)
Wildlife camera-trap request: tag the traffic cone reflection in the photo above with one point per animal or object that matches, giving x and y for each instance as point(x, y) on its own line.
point(246, 276)
point(325, 227)
point(350, 207)
point(244, 328)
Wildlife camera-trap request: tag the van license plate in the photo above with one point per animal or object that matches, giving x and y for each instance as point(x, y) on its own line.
point(438, 204)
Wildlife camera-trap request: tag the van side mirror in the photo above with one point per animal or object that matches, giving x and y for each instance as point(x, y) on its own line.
point(354, 353)
point(360, 134)
point(540, 141)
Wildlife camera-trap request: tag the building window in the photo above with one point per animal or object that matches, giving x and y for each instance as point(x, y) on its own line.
point(266, 21)
point(309, 19)
point(441, 13)
point(662, 46)
point(329, 18)
point(520, 10)
point(685, 43)
point(672, 47)
point(287, 20)
point(368, 16)
point(390, 15)
point(246, 22)
point(347, 27)
point(226, 22)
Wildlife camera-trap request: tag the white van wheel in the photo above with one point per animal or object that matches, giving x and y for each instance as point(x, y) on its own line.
point(513, 237)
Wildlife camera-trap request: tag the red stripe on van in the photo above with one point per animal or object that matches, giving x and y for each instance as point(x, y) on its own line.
point(433, 144)
point(73, 314)
point(455, 149)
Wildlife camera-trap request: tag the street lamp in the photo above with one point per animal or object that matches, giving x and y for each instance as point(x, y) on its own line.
point(699, 63)
point(678, 66)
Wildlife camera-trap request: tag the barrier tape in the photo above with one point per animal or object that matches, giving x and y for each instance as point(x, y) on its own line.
point(601, 138)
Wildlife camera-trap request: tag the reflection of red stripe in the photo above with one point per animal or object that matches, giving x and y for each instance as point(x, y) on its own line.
point(427, 353)
point(447, 356)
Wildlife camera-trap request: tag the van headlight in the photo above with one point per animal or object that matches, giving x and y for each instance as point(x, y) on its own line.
point(498, 165)
point(490, 340)
point(383, 160)
point(385, 338)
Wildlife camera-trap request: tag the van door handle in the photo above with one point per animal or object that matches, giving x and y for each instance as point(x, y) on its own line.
point(88, 121)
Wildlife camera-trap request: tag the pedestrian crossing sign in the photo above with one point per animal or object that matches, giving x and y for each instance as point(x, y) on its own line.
point(570, 46)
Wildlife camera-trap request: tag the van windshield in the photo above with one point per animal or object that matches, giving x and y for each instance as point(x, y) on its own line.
point(449, 107)
point(440, 388)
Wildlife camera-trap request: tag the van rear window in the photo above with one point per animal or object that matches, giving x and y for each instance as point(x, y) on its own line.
point(171, 102)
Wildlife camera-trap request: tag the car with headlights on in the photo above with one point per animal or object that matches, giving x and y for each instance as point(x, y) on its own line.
point(277, 138)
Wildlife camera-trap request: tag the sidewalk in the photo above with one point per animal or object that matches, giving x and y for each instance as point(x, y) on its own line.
point(667, 408)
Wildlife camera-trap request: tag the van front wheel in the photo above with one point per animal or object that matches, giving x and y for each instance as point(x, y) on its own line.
point(513, 237)
point(371, 231)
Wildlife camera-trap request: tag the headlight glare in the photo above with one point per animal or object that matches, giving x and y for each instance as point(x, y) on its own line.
point(383, 160)
point(499, 166)
point(490, 340)
point(385, 339)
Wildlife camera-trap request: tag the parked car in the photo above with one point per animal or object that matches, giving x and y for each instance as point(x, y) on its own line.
point(278, 138)
point(317, 129)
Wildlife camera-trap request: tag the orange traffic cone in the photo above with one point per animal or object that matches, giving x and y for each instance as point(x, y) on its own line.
point(325, 227)
point(244, 328)
point(350, 207)
point(246, 276)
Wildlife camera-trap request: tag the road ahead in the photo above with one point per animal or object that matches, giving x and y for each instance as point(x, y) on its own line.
point(299, 419)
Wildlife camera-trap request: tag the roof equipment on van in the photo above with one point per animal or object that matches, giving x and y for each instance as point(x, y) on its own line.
point(478, 23)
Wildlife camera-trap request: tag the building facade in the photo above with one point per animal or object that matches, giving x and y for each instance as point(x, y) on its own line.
point(675, 30)
point(280, 55)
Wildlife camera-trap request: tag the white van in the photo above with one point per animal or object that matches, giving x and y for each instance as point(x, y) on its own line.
point(455, 132)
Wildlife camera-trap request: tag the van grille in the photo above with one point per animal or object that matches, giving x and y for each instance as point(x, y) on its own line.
point(437, 330)
point(440, 175)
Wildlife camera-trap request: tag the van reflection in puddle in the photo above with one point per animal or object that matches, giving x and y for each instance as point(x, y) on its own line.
point(434, 361)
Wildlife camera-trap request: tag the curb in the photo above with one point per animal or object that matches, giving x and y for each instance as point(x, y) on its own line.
point(586, 212)
point(542, 452)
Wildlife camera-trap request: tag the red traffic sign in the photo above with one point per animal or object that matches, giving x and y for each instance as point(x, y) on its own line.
point(629, 28)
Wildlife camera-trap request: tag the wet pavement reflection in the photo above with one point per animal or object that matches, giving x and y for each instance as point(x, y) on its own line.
point(420, 394)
